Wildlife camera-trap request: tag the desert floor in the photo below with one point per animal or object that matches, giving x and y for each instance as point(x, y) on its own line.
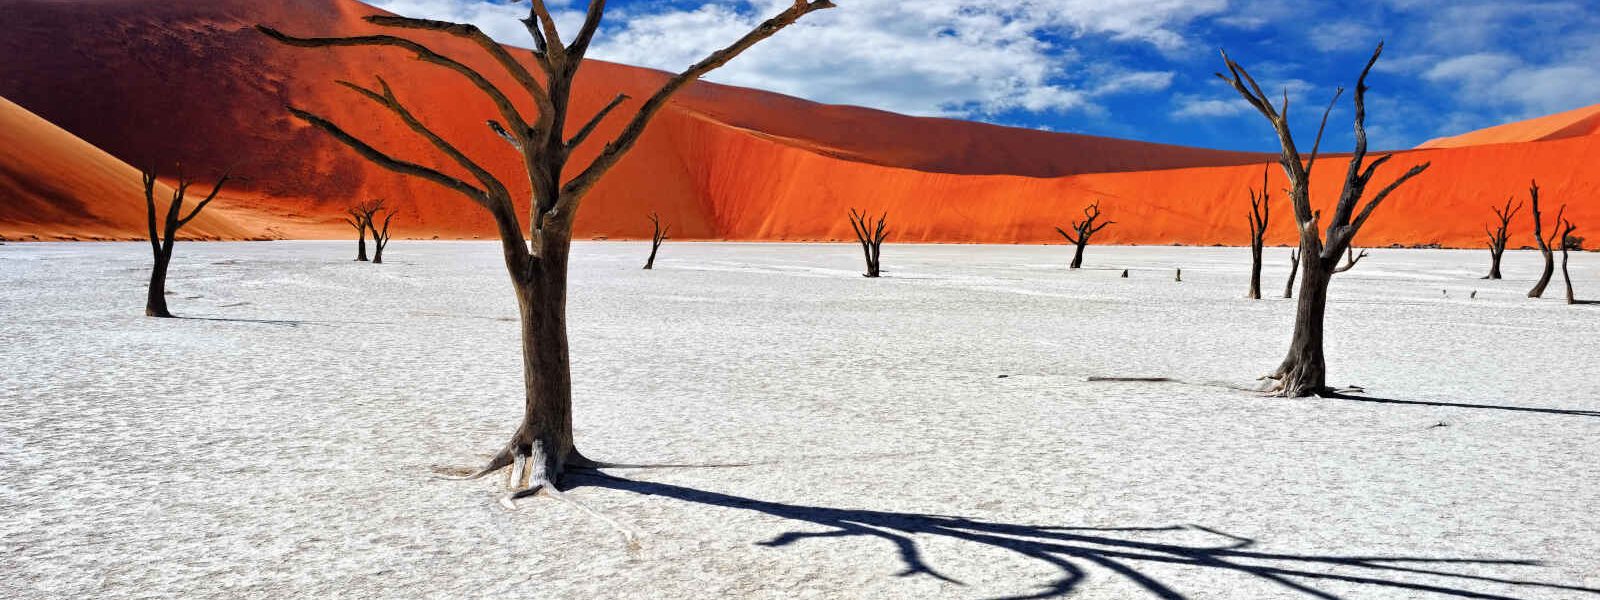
point(929, 434)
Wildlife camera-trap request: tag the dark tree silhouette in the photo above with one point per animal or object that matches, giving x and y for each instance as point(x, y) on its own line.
point(870, 235)
point(541, 449)
point(1544, 243)
point(1084, 230)
point(1294, 269)
point(1260, 215)
point(1567, 243)
point(164, 237)
point(1350, 260)
point(380, 236)
point(660, 235)
point(361, 219)
point(1499, 236)
point(1303, 371)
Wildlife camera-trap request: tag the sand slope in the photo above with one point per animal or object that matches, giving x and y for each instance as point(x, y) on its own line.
point(1573, 123)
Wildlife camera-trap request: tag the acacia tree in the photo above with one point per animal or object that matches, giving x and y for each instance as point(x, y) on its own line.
point(1084, 230)
point(1303, 371)
point(1350, 259)
point(541, 449)
point(163, 238)
point(658, 236)
point(870, 236)
point(1294, 270)
point(1260, 213)
point(380, 237)
point(1499, 236)
point(361, 219)
point(1567, 242)
point(1544, 243)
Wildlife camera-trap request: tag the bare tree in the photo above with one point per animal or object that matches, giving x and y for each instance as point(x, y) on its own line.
point(1084, 230)
point(361, 218)
point(1294, 270)
point(1567, 242)
point(1350, 259)
point(1499, 236)
point(1260, 214)
point(380, 237)
point(660, 235)
point(541, 449)
point(163, 238)
point(871, 236)
point(1303, 371)
point(1544, 243)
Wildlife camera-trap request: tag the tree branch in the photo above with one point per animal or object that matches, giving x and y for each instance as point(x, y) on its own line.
point(594, 122)
point(497, 190)
point(384, 160)
point(477, 36)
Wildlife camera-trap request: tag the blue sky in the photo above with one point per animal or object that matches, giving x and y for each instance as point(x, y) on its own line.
point(1139, 69)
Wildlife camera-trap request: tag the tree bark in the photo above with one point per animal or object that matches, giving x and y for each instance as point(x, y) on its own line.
point(1255, 272)
point(545, 434)
point(1077, 255)
point(1494, 262)
point(155, 304)
point(1304, 370)
point(361, 243)
point(1544, 245)
point(1294, 269)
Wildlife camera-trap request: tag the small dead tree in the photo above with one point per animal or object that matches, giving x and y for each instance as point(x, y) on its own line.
point(380, 237)
point(1499, 236)
point(870, 235)
point(1303, 371)
point(164, 237)
point(360, 217)
point(1350, 260)
point(1544, 243)
point(1260, 213)
point(541, 449)
point(1294, 270)
point(1567, 242)
point(1084, 230)
point(660, 235)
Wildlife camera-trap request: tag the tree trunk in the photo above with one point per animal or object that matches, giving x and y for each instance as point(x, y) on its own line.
point(1494, 264)
point(545, 435)
point(361, 245)
point(1304, 369)
point(1549, 271)
point(1294, 269)
point(377, 254)
point(1565, 276)
point(1255, 272)
point(155, 304)
point(1077, 256)
point(650, 263)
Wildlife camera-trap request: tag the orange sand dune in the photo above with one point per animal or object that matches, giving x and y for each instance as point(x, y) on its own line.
point(151, 81)
point(1573, 123)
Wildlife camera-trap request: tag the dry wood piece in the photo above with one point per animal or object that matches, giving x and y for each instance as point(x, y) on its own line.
point(1499, 236)
point(541, 449)
point(656, 238)
point(163, 238)
point(1544, 243)
point(1303, 371)
point(871, 236)
point(1294, 269)
point(1350, 260)
point(1084, 230)
point(1260, 215)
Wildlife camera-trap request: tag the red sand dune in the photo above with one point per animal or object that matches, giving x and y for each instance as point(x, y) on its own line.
point(1573, 123)
point(156, 81)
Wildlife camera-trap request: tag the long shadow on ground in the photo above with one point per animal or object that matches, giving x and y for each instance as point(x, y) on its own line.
point(1123, 551)
point(1532, 409)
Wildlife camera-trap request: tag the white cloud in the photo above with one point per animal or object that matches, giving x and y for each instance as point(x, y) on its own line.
point(1198, 107)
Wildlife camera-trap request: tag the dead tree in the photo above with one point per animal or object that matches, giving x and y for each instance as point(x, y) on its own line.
point(660, 235)
point(380, 237)
point(1544, 243)
point(1499, 236)
point(1350, 260)
point(1294, 270)
point(1084, 230)
point(541, 449)
point(1567, 242)
point(163, 238)
point(1260, 213)
point(1303, 371)
point(871, 236)
point(361, 219)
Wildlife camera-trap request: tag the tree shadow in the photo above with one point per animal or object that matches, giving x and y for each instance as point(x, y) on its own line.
point(1123, 551)
point(1532, 409)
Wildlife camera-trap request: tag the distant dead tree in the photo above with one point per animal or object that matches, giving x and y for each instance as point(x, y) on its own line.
point(380, 237)
point(1544, 243)
point(660, 235)
point(541, 449)
point(1567, 243)
point(1499, 236)
point(1294, 270)
point(1303, 371)
point(871, 236)
point(360, 217)
point(163, 238)
point(1260, 214)
point(1350, 260)
point(1084, 230)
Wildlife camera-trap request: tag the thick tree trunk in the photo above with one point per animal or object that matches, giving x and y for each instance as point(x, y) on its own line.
point(1494, 264)
point(1077, 255)
point(361, 245)
point(1304, 369)
point(155, 304)
point(650, 263)
point(545, 434)
point(1255, 272)
point(1549, 271)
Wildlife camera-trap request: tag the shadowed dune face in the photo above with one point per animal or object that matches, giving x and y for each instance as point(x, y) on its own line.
point(155, 82)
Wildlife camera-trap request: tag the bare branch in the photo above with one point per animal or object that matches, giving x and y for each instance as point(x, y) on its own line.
point(226, 175)
point(477, 36)
point(1316, 146)
point(384, 160)
point(594, 122)
point(386, 99)
point(1366, 212)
